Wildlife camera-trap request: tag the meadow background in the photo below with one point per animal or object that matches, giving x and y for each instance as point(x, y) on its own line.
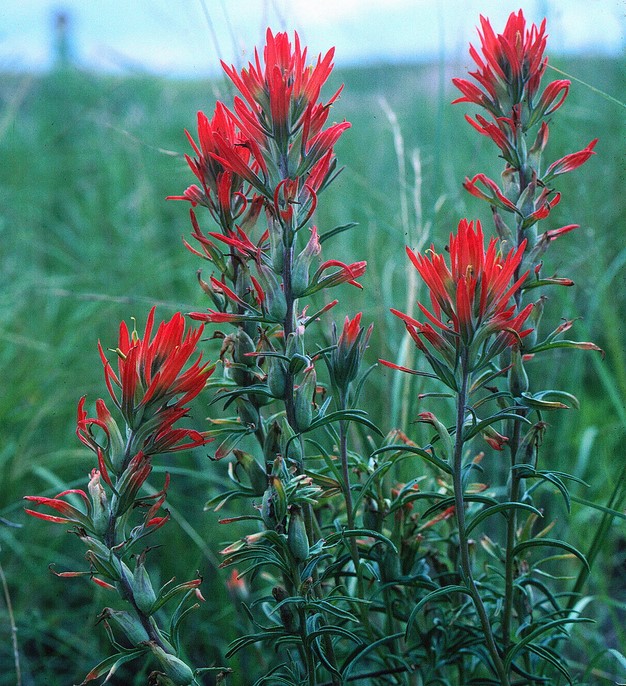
point(87, 239)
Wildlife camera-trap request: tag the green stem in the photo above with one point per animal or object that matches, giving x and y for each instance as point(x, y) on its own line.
point(511, 533)
point(459, 501)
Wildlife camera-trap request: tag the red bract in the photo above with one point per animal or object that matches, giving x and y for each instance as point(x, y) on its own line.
point(151, 385)
point(510, 66)
point(470, 297)
point(222, 184)
point(570, 162)
point(284, 86)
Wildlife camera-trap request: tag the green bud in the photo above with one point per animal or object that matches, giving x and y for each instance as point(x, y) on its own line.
point(518, 379)
point(303, 400)
point(271, 444)
point(276, 246)
point(297, 538)
point(243, 344)
point(100, 510)
point(371, 516)
point(127, 623)
point(275, 303)
point(256, 474)
point(302, 264)
point(143, 592)
point(175, 669)
point(277, 377)
point(286, 612)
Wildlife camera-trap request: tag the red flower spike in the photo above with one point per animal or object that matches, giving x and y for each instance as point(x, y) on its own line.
point(510, 66)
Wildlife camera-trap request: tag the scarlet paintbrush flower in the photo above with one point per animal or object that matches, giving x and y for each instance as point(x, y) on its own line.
point(471, 298)
point(510, 66)
point(152, 386)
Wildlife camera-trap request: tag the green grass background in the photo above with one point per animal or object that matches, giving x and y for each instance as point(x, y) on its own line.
point(87, 239)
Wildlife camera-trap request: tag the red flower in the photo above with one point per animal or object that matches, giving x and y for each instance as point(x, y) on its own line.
point(151, 386)
point(470, 298)
point(510, 66)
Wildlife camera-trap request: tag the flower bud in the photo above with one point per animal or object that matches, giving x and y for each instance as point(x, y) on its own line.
point(297, 538)
point(174, 668)
point(256, 474)
point(345, 360)
point(302, 264)
point(127, 623)
point(100, 508)
point(143, 592)
point(518, 379)
point(303, 400)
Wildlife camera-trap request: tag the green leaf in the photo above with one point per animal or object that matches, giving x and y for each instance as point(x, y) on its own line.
point(346, 416)
point(414, 450)
point(443, 591)
point(484, 423)
point(550, 345)
point(539, 631)
point(600, 508)
point(359, 653)
point(553, 542)
point(550, 656)
point(336, 231)
point(500, 507)
point(111, 664)
point(333, 539)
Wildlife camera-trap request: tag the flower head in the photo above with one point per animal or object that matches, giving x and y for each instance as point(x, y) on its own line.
point(470, 298)
point(152, 386)
point(510, 66)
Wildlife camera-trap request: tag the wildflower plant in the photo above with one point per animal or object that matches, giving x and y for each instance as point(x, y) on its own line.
point(346, 573)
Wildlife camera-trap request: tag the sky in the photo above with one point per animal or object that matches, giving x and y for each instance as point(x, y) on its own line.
point(188, 37)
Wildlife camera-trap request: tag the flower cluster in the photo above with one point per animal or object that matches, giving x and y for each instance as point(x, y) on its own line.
point(154, 382)
point(473, 311)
